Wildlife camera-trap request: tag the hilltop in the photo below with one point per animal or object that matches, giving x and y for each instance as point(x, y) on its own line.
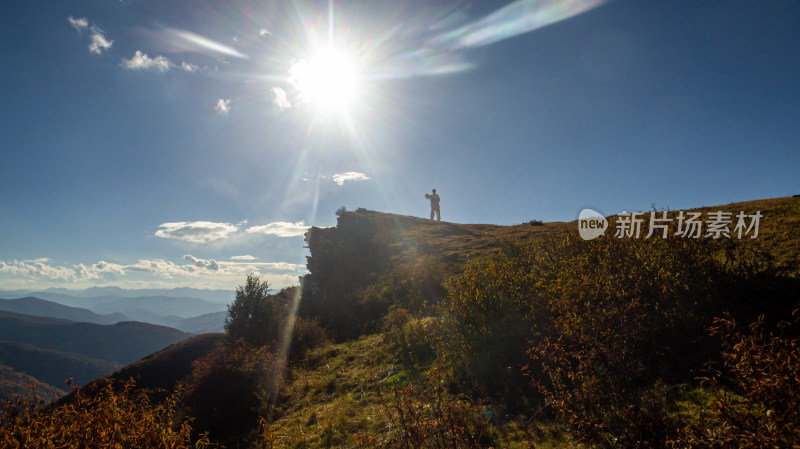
point(410, 238)
point(438, 328)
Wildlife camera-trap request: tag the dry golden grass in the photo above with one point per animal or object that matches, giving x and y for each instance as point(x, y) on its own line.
point(455, 244)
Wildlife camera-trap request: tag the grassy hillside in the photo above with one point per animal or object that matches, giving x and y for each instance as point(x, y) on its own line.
point(451, 335)
point(413, 237)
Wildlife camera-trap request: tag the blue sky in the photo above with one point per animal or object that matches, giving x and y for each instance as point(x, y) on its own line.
point(187, 143)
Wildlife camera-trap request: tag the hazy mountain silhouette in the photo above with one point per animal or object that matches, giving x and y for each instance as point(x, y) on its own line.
point(201, 324)
point(195, 323)
point(65, 296)
point(159, 305)
point(40, 307)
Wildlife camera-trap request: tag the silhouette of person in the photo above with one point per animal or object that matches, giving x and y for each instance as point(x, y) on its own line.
point(434, 198)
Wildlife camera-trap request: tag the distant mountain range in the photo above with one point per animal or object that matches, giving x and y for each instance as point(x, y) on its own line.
point(40, 307)
point(215, 296)
point(187, 314)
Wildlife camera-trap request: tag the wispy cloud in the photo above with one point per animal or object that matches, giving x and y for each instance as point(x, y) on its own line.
point(196, 231)
point(79, 24)
point(99, 43)
point(281, 229)
point(187, 67)
point(264, 32)
point(513, 19)
point(140, 61)
point(340, 178)
point(223, 106)
point(244, 257)
point(280, 99)
point(182, 41)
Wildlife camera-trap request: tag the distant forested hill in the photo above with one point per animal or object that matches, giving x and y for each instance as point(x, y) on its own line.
point(123, 342)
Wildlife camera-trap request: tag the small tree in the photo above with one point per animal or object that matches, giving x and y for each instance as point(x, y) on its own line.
point(255, 315)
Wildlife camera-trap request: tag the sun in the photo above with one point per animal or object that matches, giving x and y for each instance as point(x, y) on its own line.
point(329, 80)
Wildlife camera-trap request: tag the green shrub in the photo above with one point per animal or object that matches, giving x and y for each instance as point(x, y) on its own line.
point(410, 339)
point(254, 315)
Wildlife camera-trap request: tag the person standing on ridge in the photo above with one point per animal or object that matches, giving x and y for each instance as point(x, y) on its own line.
point(434, 198)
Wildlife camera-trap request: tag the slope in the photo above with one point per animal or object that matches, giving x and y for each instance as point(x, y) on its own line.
point(14, 385)
point(160, 372)
point(53, 367)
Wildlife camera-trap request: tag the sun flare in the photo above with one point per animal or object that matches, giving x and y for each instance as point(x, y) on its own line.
point(328, 80)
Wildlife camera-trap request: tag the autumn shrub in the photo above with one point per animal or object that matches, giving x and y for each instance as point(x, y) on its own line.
point(602, 327)
point(427, 417)
point(628, 320)
point(490, 319)
point(756, 388)
point(230, 388)
point(115, 417)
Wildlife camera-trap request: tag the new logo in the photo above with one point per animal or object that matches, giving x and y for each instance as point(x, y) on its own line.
point(591, 224)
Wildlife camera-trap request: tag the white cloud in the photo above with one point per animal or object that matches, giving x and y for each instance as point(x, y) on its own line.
point(37, 270)
point(209, 264)
point(99, 43)
point(340, 178)
point(140, 61)
point(79, 24)
point(188, 67)
point(196, 231)
point(281, 229)
point(223, 106)
point(264, 32)
point(147, 273)
point(244, 257)
point(280, 99)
